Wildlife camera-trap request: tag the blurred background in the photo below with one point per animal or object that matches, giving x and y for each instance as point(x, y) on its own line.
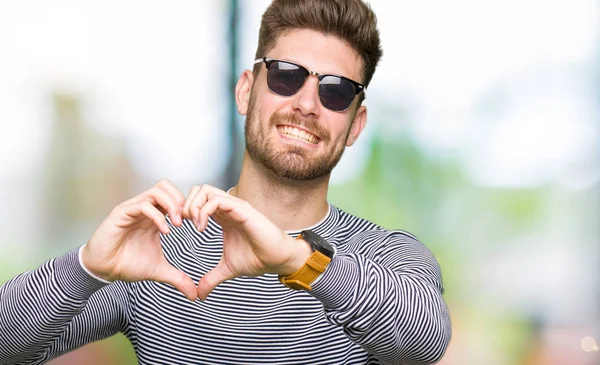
point(483, 140)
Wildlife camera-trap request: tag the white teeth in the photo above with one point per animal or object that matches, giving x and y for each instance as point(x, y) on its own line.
point(298, 134)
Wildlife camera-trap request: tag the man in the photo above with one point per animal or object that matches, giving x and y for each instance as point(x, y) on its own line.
point(283, 277)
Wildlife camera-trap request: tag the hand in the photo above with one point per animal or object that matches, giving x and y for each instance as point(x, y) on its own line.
point(126, 246)
point(252, 244)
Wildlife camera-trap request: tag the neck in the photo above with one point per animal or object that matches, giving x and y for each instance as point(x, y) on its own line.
point(291, 205)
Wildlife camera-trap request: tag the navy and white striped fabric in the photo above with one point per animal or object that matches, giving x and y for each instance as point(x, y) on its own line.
point(379, 302)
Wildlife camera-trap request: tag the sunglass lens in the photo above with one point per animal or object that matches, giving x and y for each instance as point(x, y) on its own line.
point(336, 93)
point(285, 79)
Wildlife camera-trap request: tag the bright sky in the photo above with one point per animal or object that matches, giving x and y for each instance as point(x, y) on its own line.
point(504, 86)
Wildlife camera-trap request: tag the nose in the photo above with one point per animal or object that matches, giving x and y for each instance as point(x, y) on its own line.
point(306, 100)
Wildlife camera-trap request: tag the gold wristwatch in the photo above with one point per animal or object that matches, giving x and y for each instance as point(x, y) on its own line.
point(314, 266)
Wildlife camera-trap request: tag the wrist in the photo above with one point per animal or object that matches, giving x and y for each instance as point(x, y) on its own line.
point(301, 251)
point(83, 258)
point(321, 254)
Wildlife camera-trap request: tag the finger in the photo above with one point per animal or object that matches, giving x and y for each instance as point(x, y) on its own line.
point(164, 194)
point(190, 197)
point(212, 279)
point(176, 195)
point(169, 274)
point(148, 210)
point(205, 193)
point(142, 196)
point(229, 207)
point(164, 202)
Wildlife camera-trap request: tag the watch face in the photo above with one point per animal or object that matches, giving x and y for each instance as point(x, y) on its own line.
point(318, 243)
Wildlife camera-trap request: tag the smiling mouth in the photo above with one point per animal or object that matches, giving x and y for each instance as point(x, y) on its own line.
point(298, 134)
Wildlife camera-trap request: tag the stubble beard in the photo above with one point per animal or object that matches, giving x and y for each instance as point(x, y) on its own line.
point(292, 162)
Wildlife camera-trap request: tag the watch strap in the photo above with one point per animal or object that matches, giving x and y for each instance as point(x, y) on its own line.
point(308, 273)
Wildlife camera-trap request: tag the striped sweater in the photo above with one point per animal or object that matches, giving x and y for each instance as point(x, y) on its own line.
point(379, 302)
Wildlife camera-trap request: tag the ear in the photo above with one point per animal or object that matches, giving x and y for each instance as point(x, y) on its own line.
point(242, 91)
point(358, 124)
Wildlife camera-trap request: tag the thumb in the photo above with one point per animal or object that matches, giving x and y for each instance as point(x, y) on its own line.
point(212, 279)
point(170, 275)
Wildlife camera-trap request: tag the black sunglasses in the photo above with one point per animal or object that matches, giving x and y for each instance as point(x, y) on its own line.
point(286, 79)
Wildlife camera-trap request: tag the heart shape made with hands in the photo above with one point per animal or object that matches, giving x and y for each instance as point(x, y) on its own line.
point(126, 246)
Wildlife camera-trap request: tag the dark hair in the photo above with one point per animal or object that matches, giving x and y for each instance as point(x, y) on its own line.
point(353, 21)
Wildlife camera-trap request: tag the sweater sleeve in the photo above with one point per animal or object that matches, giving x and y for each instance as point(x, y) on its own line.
point(56, 308)
point(387, 295)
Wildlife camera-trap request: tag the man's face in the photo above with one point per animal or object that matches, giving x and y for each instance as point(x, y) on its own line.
point(296, 137)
